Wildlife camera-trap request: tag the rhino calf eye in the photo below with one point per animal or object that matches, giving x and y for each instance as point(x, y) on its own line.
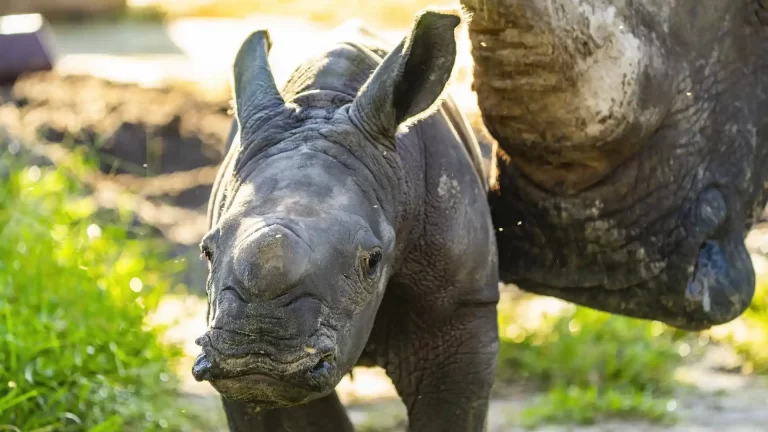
point(372, 263)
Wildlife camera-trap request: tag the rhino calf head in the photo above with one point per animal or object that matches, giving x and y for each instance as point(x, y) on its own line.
point(304, 218)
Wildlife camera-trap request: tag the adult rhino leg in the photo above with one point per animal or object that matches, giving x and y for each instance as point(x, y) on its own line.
point(442, 369)
point(326, 414)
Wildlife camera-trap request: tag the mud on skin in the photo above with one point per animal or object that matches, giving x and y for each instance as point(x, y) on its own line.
point(633, 150)
point(349, 225)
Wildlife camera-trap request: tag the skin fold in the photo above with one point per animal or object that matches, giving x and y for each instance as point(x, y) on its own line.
point(632, 150)
point(349, 224)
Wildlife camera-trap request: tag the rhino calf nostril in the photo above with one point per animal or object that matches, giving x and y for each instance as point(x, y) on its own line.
point(324, 363)
point(202, 368)
point(320, 366)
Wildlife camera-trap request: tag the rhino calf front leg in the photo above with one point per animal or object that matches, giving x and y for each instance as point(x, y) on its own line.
point(326, 414)
point(444, 374)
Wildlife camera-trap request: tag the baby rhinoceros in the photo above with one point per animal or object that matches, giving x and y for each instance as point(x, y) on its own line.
point(349, 226)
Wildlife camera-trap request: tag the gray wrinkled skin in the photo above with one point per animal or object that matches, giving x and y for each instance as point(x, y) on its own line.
point(339, 237)
point(634, 150)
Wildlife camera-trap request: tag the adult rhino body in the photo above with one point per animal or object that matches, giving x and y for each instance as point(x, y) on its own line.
point(633, 149)
point(338, 238)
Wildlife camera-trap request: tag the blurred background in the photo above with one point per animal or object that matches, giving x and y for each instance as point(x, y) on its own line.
point(106, 164)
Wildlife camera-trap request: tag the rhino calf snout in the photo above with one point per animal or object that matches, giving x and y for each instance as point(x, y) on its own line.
point(310, 371)
point(269, 262)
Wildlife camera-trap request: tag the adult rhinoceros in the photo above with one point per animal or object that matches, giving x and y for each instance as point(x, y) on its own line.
point(632, 142)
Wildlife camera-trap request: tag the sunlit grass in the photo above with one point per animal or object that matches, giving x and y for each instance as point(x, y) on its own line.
point(749, 334)
point(594, 365)
point(75, 287)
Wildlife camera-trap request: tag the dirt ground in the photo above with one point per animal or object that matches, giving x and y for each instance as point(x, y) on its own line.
point(159, 150)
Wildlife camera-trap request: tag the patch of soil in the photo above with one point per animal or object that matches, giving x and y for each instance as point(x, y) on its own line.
point(160, 148)
point(195, 198)
point(134, 130)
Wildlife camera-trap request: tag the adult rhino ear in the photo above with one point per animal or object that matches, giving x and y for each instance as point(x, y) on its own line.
point(253, 85)
point(411, 78)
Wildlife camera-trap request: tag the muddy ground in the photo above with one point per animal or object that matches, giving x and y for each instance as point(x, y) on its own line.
point(159, 149)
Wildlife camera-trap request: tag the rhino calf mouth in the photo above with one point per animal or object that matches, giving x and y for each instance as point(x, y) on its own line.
point(256, 379)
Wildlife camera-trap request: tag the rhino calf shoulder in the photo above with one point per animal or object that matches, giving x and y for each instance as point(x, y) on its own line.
point(349, 225)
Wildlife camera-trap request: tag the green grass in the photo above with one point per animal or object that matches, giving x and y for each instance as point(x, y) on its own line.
point(75, 287)
point(594, 365)
point(750, 341)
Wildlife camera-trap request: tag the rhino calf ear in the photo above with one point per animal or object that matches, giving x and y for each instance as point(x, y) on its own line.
point(253, 85)
point(411, 78)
